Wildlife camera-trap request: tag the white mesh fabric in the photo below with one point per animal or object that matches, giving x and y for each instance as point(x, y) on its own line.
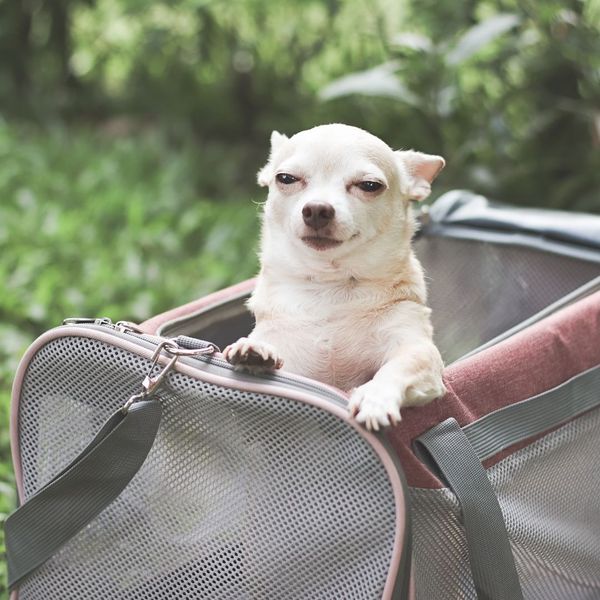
point(242, 495)
point(548, 492)
point(492, 287)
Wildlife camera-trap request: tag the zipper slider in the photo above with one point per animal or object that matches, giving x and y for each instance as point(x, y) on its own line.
point(88, 321)
point(128, 327)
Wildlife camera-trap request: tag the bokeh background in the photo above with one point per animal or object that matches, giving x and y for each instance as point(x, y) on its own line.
point(131, 132)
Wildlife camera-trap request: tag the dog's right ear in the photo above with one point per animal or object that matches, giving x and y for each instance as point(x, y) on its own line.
point(265, 174)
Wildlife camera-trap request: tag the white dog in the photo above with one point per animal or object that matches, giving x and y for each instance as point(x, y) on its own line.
point(340, 296)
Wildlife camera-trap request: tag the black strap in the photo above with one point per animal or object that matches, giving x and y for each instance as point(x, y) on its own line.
point(64, 506)
point(490, 555)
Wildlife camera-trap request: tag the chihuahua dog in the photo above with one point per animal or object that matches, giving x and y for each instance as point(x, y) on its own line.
point(341, 297)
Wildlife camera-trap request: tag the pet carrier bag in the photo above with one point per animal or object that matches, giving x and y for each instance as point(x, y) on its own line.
point(147, 468)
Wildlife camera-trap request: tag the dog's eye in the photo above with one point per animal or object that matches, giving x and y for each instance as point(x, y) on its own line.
point(286, 178)
point(369, 186)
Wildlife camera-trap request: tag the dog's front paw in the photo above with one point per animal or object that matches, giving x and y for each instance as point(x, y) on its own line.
point(376, 404)
point(424, 390)
point(252, 355)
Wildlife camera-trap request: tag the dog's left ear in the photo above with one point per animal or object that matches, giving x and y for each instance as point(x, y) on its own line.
point(421, 169)
point(264, 175)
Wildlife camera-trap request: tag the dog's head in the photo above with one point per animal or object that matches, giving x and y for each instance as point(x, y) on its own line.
point(337, 192)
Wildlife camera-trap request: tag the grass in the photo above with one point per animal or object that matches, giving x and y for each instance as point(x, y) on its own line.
point(93, 225)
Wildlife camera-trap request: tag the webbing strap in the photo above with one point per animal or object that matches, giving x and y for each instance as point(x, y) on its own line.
point(517, 422)
point(490, 555)
point(64, 506)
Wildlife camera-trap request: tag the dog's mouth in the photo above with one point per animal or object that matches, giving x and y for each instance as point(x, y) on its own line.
point(321, 243)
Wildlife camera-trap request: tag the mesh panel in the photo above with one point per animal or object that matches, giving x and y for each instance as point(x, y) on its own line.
point(491, 287)
point(549, 498)
point(242, 495)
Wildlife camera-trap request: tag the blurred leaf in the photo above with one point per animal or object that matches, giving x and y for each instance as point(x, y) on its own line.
point(412, 41)
point(378, 81)
point(478, 36)
point(446, 100)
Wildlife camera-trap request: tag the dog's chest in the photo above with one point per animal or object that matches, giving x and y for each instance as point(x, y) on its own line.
point(338, 344)
point(345, 354)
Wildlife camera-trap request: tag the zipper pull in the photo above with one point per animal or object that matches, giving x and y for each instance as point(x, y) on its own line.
point(87, 320)
point(128, 327)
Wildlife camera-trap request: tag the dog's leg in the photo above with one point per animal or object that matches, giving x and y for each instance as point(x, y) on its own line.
point(411, 377)
point(251, 354)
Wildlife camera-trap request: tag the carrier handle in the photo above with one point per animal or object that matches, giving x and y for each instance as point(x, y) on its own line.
point(447, 449)
point(79, 493)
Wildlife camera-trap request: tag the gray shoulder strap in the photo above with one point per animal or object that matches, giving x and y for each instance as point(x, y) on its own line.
point(59, 510)
point(492, 563)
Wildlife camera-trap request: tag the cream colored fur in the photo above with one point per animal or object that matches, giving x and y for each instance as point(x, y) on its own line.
point(352, 315)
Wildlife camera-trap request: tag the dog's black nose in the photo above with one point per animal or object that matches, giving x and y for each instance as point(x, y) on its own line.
point(317, 216)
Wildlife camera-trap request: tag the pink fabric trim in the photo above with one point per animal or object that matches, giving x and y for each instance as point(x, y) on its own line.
point(270, 389)
point(152, 325)
point(531, 362)
point(14, 416)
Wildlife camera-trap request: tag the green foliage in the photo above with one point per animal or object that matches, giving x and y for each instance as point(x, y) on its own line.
point(509, 98)
point(225, 69)
point(507, 91)
point(115, 226)
point(7, 487)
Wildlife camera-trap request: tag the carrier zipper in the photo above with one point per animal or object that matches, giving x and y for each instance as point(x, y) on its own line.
point(123, 326)
point(128, 328)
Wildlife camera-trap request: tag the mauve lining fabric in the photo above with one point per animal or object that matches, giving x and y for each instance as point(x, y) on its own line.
point(152, 325)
